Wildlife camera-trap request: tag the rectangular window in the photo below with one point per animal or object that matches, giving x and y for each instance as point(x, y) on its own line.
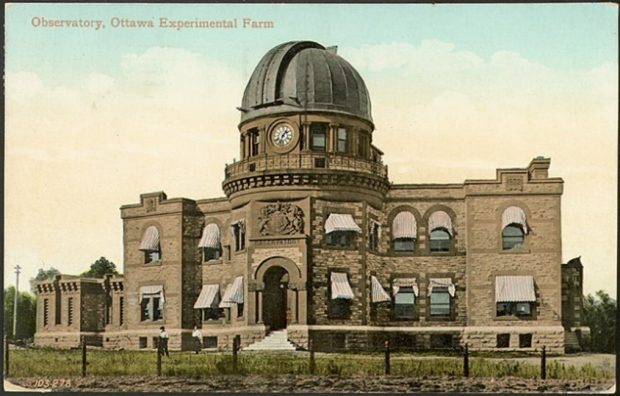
point(108, 310)
point(255, 143)
point(58, 309)
point(142, 342)
point(319, 162)
point(373, 240)
point(525, 340)
point(340, 238)
point(70, 311)
point(503, 340)
point(339, 308)
point(239, 310)
point(211, 254)
point(362, 145)
point(318, 132)
point(243, 153)
point(212, 313)
point(151, 256)
point(155, 342)
point(151, 309)
point(440, 301)
point(46, 311)
point(239, 232)
point(209, 342)
point(121, 308)
point(342, 140)
point(404, 303)
point(514, 309)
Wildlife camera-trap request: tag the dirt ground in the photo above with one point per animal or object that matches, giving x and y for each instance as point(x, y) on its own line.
point(324, 384)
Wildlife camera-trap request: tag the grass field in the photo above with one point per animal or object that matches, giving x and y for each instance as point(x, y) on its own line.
point(67, 363)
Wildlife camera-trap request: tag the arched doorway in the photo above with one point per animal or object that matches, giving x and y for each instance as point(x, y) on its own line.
point(275, 297)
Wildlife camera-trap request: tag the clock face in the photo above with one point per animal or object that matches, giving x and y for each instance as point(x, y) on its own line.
point(283, 135)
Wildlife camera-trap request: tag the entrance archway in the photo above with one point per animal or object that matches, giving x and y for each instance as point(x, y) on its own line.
point(275, 297)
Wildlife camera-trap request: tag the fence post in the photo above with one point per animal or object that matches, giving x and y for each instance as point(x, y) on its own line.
point(466, 361)
point(235, 349)
point(543, 363)
point(159, 353)
point(312, 361)
point(387, 357)
point(6, 356)
point(84, 363)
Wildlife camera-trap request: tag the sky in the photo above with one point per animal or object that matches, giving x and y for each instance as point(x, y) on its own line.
point(96, 117)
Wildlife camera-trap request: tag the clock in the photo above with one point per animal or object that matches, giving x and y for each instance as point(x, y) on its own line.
point(282, 135)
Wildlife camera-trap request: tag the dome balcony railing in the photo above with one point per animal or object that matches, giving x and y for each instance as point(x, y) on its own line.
point(318, 161)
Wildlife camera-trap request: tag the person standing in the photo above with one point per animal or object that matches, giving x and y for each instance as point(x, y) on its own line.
point(163, 339)
point(197, 336)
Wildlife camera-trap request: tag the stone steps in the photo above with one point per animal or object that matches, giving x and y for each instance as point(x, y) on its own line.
point(275, 341)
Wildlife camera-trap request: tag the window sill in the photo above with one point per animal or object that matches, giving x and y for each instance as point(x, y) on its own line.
point(515, 251)
point(213, 261)
point(236, 252)
point(508, 318)
point(329, 247)
point(439, 318)
point(153, 263)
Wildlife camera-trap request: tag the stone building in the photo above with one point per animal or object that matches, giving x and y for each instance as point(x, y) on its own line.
point(312, 237)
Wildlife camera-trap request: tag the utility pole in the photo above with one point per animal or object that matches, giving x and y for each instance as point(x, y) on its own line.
point(17, 268)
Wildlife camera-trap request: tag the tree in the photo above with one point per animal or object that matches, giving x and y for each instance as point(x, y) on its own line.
point(26, 313)
point(100, 268)
point(599, 313)
point(43, 275)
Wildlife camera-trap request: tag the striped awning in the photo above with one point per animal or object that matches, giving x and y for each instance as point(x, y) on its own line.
point(340, 286)
point(514, 215)
point(210, 237)
point(443, 283)
point(233, 293)
point(378, 293)
point(226, 303)
point(440, 219)
point(152, 291)
point(405, 282)
point(404, 226)
point(341, 222)
point(150, 240)
point(208, 298)
point(514, 289)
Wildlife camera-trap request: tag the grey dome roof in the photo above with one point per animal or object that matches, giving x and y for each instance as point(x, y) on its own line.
point(304, 76)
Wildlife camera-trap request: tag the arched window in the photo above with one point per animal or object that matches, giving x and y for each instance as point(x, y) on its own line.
point(404, 232)
point(514, 228)
point(150, 245)
point(440, 227)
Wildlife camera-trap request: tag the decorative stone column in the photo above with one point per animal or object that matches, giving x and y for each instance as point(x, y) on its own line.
point(332, 138)
point(262, 140)
point(301, 303)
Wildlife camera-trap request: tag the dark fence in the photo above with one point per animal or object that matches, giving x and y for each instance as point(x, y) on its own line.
point(389, 360)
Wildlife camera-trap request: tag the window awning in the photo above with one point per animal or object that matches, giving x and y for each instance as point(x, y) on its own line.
point(378, 293)
point(150, 240)
point(210, 237)
point(443, 283)
point(152, 291)
point(340, 286)
point(208, 298)
point(226, 303)
point(440, 219)
point(405, 282)
point(516, 215)
point(341, 222)
point(233, 293)
point(404, 226)
point(515, 289)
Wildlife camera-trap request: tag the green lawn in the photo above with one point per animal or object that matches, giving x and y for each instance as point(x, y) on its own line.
point(64, 363)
